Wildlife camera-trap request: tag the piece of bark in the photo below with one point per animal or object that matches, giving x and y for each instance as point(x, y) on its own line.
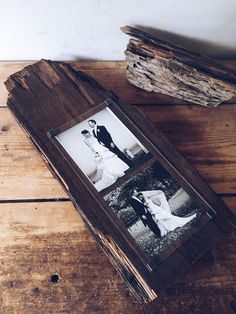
point(158, 66)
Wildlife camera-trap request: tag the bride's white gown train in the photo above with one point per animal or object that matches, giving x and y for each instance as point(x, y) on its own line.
point(108, 164)
point(165, 220)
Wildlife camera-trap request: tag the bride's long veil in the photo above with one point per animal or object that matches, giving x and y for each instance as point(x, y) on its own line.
point(160, 194)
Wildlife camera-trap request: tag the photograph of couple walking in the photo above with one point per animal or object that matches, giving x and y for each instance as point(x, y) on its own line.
point(155, 209)
point(103, 148)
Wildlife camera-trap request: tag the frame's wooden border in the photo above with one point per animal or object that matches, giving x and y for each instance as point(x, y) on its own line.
point(156, 156)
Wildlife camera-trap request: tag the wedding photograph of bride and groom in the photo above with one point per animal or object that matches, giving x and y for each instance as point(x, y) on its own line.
point(155, 209)
point(103, 148)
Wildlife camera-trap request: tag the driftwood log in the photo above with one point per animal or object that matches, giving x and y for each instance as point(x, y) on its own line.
point(47, 95)
point(158, 66)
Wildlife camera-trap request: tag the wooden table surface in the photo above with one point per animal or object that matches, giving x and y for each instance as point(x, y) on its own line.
point(42, 234)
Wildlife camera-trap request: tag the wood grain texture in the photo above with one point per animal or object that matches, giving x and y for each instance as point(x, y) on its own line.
point(158, 66)
point(39, 240)
point(42, 239)
point(23, 173)
point(111, 75)
point(40, 250)
point(205, 137)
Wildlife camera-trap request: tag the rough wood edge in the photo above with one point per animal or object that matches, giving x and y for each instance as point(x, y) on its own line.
point(137, 284)
point(217, 68)
point(156, 71)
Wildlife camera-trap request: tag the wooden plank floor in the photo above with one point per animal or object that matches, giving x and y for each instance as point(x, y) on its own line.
point(42, 234)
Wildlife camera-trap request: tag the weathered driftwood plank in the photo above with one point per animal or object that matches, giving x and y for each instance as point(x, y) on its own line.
point(155, 65)
point(49, 94)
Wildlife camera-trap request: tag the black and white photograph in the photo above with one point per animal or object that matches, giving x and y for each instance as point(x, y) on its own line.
point(103, 148)
point(155, 209)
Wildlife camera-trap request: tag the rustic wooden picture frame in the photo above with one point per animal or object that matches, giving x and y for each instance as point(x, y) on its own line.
point(155, 157)
point(58, 97)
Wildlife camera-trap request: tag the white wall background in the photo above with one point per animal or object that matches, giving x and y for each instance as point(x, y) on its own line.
point(89, 29)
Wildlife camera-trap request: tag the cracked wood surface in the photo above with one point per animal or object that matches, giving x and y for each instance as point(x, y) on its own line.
point(42, 236)
point(159, 66)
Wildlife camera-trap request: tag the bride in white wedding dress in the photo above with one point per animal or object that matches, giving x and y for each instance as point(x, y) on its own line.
point(159, 208)
point(109, 166)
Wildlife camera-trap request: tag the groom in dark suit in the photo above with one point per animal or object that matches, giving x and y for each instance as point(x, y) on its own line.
point(138, 204)
point(104, 138)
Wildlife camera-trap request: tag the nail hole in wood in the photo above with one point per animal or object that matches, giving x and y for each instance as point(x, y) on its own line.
point(55, 278)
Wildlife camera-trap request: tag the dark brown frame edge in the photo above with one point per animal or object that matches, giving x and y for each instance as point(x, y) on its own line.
point(151, 264)
point(98, 195)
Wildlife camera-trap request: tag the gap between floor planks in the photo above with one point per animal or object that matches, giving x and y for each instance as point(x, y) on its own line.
point(229, 199)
